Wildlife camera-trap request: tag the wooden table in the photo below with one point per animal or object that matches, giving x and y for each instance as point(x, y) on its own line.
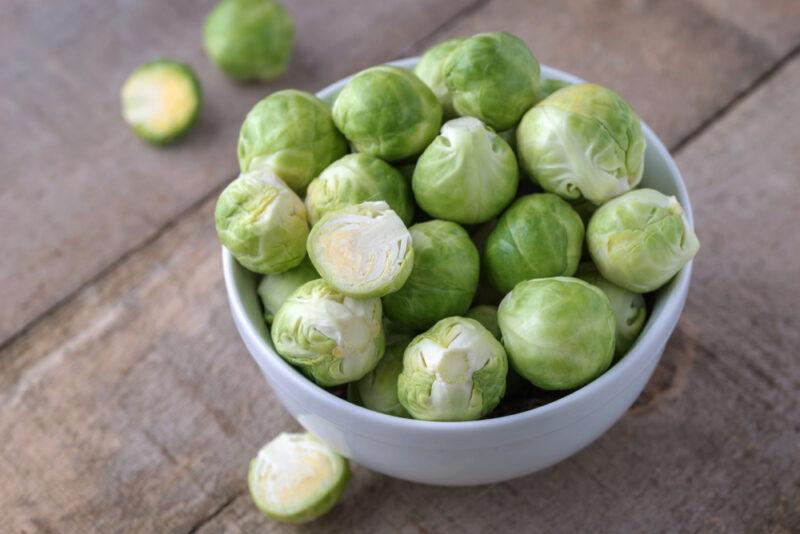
point(128, 402)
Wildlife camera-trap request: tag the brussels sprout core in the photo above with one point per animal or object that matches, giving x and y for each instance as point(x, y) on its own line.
point(296, 478)
point(362, 250)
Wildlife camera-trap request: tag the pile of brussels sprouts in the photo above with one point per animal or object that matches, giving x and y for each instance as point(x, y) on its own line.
point(401, 255)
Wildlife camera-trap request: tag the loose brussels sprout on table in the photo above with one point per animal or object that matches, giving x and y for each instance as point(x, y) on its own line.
point(262, 222)
point(249, 39)
point(295, 478)
point(292, 133)
point(583, 140)
point(443, 280)
point(161, 101)
point(430, 70)
point(468, 174)
point(274, 289)
point(456, 371)
point(333, 338)
point(640, 240)
point(358, 178)
point(387, 112)
point(378, 389)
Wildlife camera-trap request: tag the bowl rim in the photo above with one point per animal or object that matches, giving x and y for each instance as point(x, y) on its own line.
point(656, 332)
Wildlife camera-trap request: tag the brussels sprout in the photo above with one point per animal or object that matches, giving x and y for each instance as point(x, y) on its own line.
point(583, 140)
point(640, 240)
point(629, 308)
point(161, 101)
point(539, 236)
point(430, 70)
point(333, 338)
point(559, 332)
point(456, 371)
point(378, 389)
point(357, 178)
point(262, 222)
point(249, 39)
point(292, 133)
point(550, 86)
point(295, 478)
point(387, 112)
point(487, 316)
point(468, 174)
point(274, 289)
point(494, 77)
point(362, 250)
point(443, 280)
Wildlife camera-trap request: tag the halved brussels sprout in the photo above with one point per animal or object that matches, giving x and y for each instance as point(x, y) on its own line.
point(559, 332)
point(331, 337)
point(494, 77)
point(486, 315)
point(378, 389)
point(430, 70)
point(161, 101)
point(362, 250)
point(292, 133)
point(456, 371)
point(357, 178)
point(583, 140)
point(387, 112)
point(249, 39)
point(629, 308)
point(550, 86)
point(443, 280)
point(274, 289)
point(468, 174)
point(640, 240)
point(539, 236)
point(295, 478)
point(262, 222)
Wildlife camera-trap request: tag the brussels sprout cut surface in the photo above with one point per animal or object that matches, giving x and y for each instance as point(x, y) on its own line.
point(296, 478)
point(387, 112)
point(583, 140)
point(378, 389)
point(468, 174)
point(456, 371)
point(494, 77)
point(539, 236)
point(274, 289)
point(362, 250)
point(358, 178)
point(640, 240)
point(161, 101)
point(292, 133)
point(262, 223)
point(430, 70)
point(333, 338)
point(249, 39)
point(559, 332)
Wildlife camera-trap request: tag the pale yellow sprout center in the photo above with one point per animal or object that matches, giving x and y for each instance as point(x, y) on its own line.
point(158, 99)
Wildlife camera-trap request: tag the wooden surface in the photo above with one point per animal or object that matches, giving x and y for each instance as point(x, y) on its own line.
point(127, 401)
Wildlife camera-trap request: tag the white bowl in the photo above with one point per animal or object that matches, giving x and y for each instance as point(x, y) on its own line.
point(475, 452)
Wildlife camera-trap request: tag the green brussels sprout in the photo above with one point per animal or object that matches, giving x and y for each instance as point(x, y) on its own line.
point(443, 280)
point(295, 478)
point(550, 86)
point(468, 174)
point(559, 332)
point(331, 337)
point(262, 222)
point(629, 308)
point(387, 112)
point(583, 140)
point(161, 101)
point(292, 133)
point(640, 240)
point(274, 289)
point(430, 70)
point(456, 371)
point(357, 178)
point(494, 77)
point(249, 39)
point(539, 236)
point(486, 315)
point(378, 389)
point(362, 250)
